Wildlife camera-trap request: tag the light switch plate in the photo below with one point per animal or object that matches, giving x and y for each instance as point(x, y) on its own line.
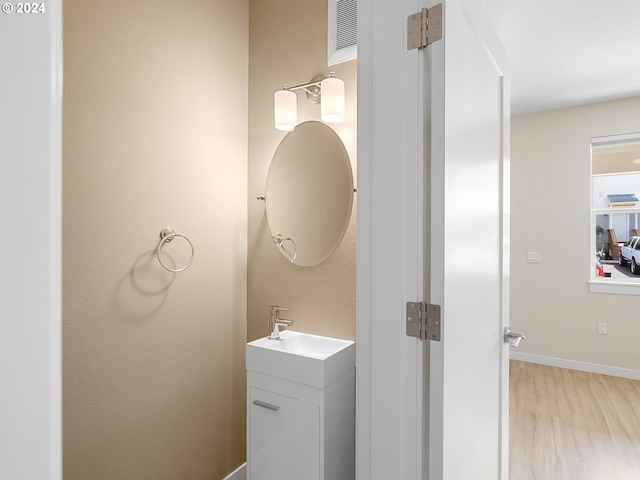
point(533, 257)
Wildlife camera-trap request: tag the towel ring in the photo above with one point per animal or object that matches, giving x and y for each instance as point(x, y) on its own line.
point(166, 235)
point(279, 240)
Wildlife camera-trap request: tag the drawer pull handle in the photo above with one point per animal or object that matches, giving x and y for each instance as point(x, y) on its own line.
point(270, 406)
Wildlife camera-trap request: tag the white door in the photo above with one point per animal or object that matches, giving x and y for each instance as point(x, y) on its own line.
point(469, 248)
point(436, 410)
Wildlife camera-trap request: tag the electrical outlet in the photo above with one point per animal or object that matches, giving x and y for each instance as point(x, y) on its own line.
point(602, 328)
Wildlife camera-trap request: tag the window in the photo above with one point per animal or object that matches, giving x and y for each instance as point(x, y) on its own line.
point(615, 214)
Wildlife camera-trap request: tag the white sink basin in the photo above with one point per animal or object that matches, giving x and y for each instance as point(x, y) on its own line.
point(302, 358)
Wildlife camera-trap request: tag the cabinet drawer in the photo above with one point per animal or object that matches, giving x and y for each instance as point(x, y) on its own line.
point(285, 437)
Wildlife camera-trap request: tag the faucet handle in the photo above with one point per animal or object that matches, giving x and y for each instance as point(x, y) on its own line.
point(275, 309)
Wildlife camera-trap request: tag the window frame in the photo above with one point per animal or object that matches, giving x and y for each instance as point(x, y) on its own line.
point(629, 286)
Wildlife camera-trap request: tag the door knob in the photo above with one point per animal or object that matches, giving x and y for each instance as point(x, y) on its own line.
point(514, 337)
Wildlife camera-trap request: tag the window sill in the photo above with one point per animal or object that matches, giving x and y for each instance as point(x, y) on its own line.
point(615, 287)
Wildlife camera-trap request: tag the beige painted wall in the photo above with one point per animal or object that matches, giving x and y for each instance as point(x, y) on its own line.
point(155, 134)
point(288, 45)
point(550, 183)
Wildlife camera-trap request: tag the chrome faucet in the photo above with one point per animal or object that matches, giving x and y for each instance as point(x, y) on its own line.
point(276, 321)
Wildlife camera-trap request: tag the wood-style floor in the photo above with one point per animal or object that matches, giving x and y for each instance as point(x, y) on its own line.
point(569, 425)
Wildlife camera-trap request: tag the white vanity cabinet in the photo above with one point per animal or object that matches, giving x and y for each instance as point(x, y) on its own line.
point(284, 437)
point(301, 428)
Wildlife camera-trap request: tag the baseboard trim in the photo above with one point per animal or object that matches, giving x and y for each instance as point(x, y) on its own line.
point(575, 365)
point(239, 473)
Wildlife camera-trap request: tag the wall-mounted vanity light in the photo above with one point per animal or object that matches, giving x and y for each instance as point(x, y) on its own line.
point(285, 102)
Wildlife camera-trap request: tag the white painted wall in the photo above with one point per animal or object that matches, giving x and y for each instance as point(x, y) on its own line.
point(550, 184)
point(30, 212)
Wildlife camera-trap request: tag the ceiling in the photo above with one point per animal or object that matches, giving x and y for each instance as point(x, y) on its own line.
point(569, 52)
point(623, 158)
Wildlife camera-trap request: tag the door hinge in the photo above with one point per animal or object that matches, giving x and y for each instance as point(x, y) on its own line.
point(424, 321)
point(424, 27)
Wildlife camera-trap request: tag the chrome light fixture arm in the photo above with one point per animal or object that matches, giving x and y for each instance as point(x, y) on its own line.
point(312, 89)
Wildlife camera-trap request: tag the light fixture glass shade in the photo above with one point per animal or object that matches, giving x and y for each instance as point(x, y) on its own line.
point(332, 103)
point(285, 109)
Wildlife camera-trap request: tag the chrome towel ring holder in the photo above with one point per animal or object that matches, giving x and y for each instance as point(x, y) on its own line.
point(279, 240)
point(167, 234)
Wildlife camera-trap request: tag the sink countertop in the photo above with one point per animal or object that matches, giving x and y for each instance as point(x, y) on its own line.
point(301, 357)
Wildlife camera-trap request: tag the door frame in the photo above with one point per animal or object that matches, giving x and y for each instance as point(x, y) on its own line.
point(391, 245)
point(393, 111)
point(31, 203)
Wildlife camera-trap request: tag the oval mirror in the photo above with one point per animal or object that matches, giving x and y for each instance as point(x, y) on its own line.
point(309, 193)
